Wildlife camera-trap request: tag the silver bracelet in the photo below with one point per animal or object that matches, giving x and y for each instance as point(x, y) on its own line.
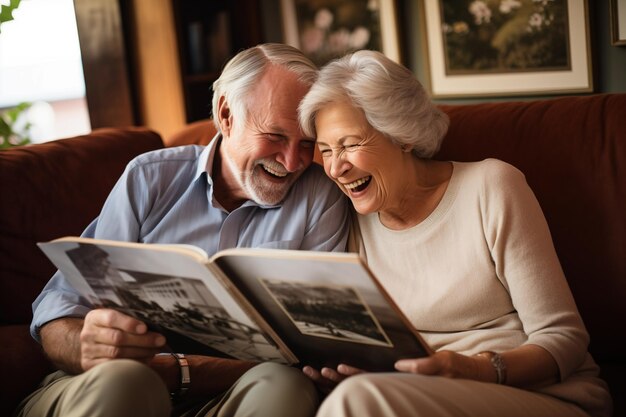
point(498, 364)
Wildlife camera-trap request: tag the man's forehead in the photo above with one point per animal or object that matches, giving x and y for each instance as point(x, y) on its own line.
point(277, 81)
point(269, 123)
point(272, 106)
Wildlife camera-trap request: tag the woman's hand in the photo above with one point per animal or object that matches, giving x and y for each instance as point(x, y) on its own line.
point(528, 366)
point(451, 365)
point(327, 378)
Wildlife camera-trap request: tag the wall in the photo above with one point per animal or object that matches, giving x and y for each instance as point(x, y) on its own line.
point(610, 65)
point(160, 93)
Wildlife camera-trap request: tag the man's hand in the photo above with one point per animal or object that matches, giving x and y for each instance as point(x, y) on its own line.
point(76, 345)
point(108, 334)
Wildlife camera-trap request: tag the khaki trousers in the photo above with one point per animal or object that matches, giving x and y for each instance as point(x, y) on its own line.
point(126, 388)
point(409, 395)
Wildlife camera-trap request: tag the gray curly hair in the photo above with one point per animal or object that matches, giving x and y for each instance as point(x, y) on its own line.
point(393, 100)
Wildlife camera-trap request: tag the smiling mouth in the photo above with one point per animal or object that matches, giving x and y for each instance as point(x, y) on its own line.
point(359, 185)
point(273, 172)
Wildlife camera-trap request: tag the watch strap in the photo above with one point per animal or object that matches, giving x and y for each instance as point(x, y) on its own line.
point(185, 378)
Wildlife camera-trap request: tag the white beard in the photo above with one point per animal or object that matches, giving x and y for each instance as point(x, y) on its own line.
point(255, 186)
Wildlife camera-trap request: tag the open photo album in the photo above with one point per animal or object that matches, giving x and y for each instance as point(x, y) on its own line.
point(293, 307)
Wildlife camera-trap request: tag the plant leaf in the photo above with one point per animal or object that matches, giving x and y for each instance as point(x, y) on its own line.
point(15, 112)
point(8, 136)
point(6, 12)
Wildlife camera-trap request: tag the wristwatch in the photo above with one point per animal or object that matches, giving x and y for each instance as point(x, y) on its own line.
point(185, 379)
point(498, 364)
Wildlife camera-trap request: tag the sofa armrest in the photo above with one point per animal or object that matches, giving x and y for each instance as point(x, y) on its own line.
point(23, 366)
point(51, 190)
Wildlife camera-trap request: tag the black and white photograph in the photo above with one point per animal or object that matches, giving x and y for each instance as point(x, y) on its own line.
point(333, 312)
point(181, 304)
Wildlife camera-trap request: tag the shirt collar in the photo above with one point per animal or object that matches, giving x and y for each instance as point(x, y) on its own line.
point(205, 162)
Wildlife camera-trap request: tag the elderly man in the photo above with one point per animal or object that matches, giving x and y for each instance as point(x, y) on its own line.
point(253, 186)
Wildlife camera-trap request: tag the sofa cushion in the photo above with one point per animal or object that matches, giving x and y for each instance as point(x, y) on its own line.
point(51, 190)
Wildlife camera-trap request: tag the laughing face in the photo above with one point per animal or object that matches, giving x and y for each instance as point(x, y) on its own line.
point(263, 156)
point(367, 166)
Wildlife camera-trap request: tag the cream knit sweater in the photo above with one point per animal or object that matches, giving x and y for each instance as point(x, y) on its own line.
point(481, 273)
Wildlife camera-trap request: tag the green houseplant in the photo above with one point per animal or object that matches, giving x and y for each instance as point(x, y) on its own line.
point(10, 134)
point(6, 12)
point(12, 131)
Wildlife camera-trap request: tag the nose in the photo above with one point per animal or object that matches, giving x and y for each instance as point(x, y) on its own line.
point(291, 157)
point(295, 156)
point(336, 165)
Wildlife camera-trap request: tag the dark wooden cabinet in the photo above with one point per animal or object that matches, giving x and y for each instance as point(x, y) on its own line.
point(209, 33)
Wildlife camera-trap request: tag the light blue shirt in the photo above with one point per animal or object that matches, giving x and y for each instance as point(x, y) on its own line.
point(166, 196)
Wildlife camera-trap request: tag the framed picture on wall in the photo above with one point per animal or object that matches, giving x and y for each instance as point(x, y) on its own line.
point(508, 47)
point(618, 22)
point(328, 29)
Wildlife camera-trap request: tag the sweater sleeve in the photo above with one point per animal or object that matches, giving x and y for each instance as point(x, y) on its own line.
point(527, 265)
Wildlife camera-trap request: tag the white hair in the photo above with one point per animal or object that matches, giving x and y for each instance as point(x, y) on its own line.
point(241, 73)
point(392, 99)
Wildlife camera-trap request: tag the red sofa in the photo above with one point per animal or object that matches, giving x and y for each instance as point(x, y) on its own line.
point(571, 149)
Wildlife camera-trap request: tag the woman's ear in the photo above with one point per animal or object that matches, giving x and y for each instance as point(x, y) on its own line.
point(224, 116)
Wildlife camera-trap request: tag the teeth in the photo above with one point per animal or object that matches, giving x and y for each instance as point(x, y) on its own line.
point(273, 172)
point(356, 183)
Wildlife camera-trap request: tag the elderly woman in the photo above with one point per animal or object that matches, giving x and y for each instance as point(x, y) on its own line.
point(464, 250)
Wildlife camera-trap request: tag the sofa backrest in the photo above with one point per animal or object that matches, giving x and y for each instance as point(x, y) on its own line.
point(51, 190)
point(573, 153)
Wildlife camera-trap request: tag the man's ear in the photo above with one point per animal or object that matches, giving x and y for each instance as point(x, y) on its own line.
point(224, 116)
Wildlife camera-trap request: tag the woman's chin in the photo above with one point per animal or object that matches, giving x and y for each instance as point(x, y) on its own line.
point(361, 208)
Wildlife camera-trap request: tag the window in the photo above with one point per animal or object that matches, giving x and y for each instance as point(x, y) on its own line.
point(40, 63)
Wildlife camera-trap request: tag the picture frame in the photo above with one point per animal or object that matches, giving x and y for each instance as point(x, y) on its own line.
point(617, 10)
point(328, 29)
point(526, 48)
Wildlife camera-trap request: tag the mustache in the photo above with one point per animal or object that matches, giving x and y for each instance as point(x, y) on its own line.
point(275, 165)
